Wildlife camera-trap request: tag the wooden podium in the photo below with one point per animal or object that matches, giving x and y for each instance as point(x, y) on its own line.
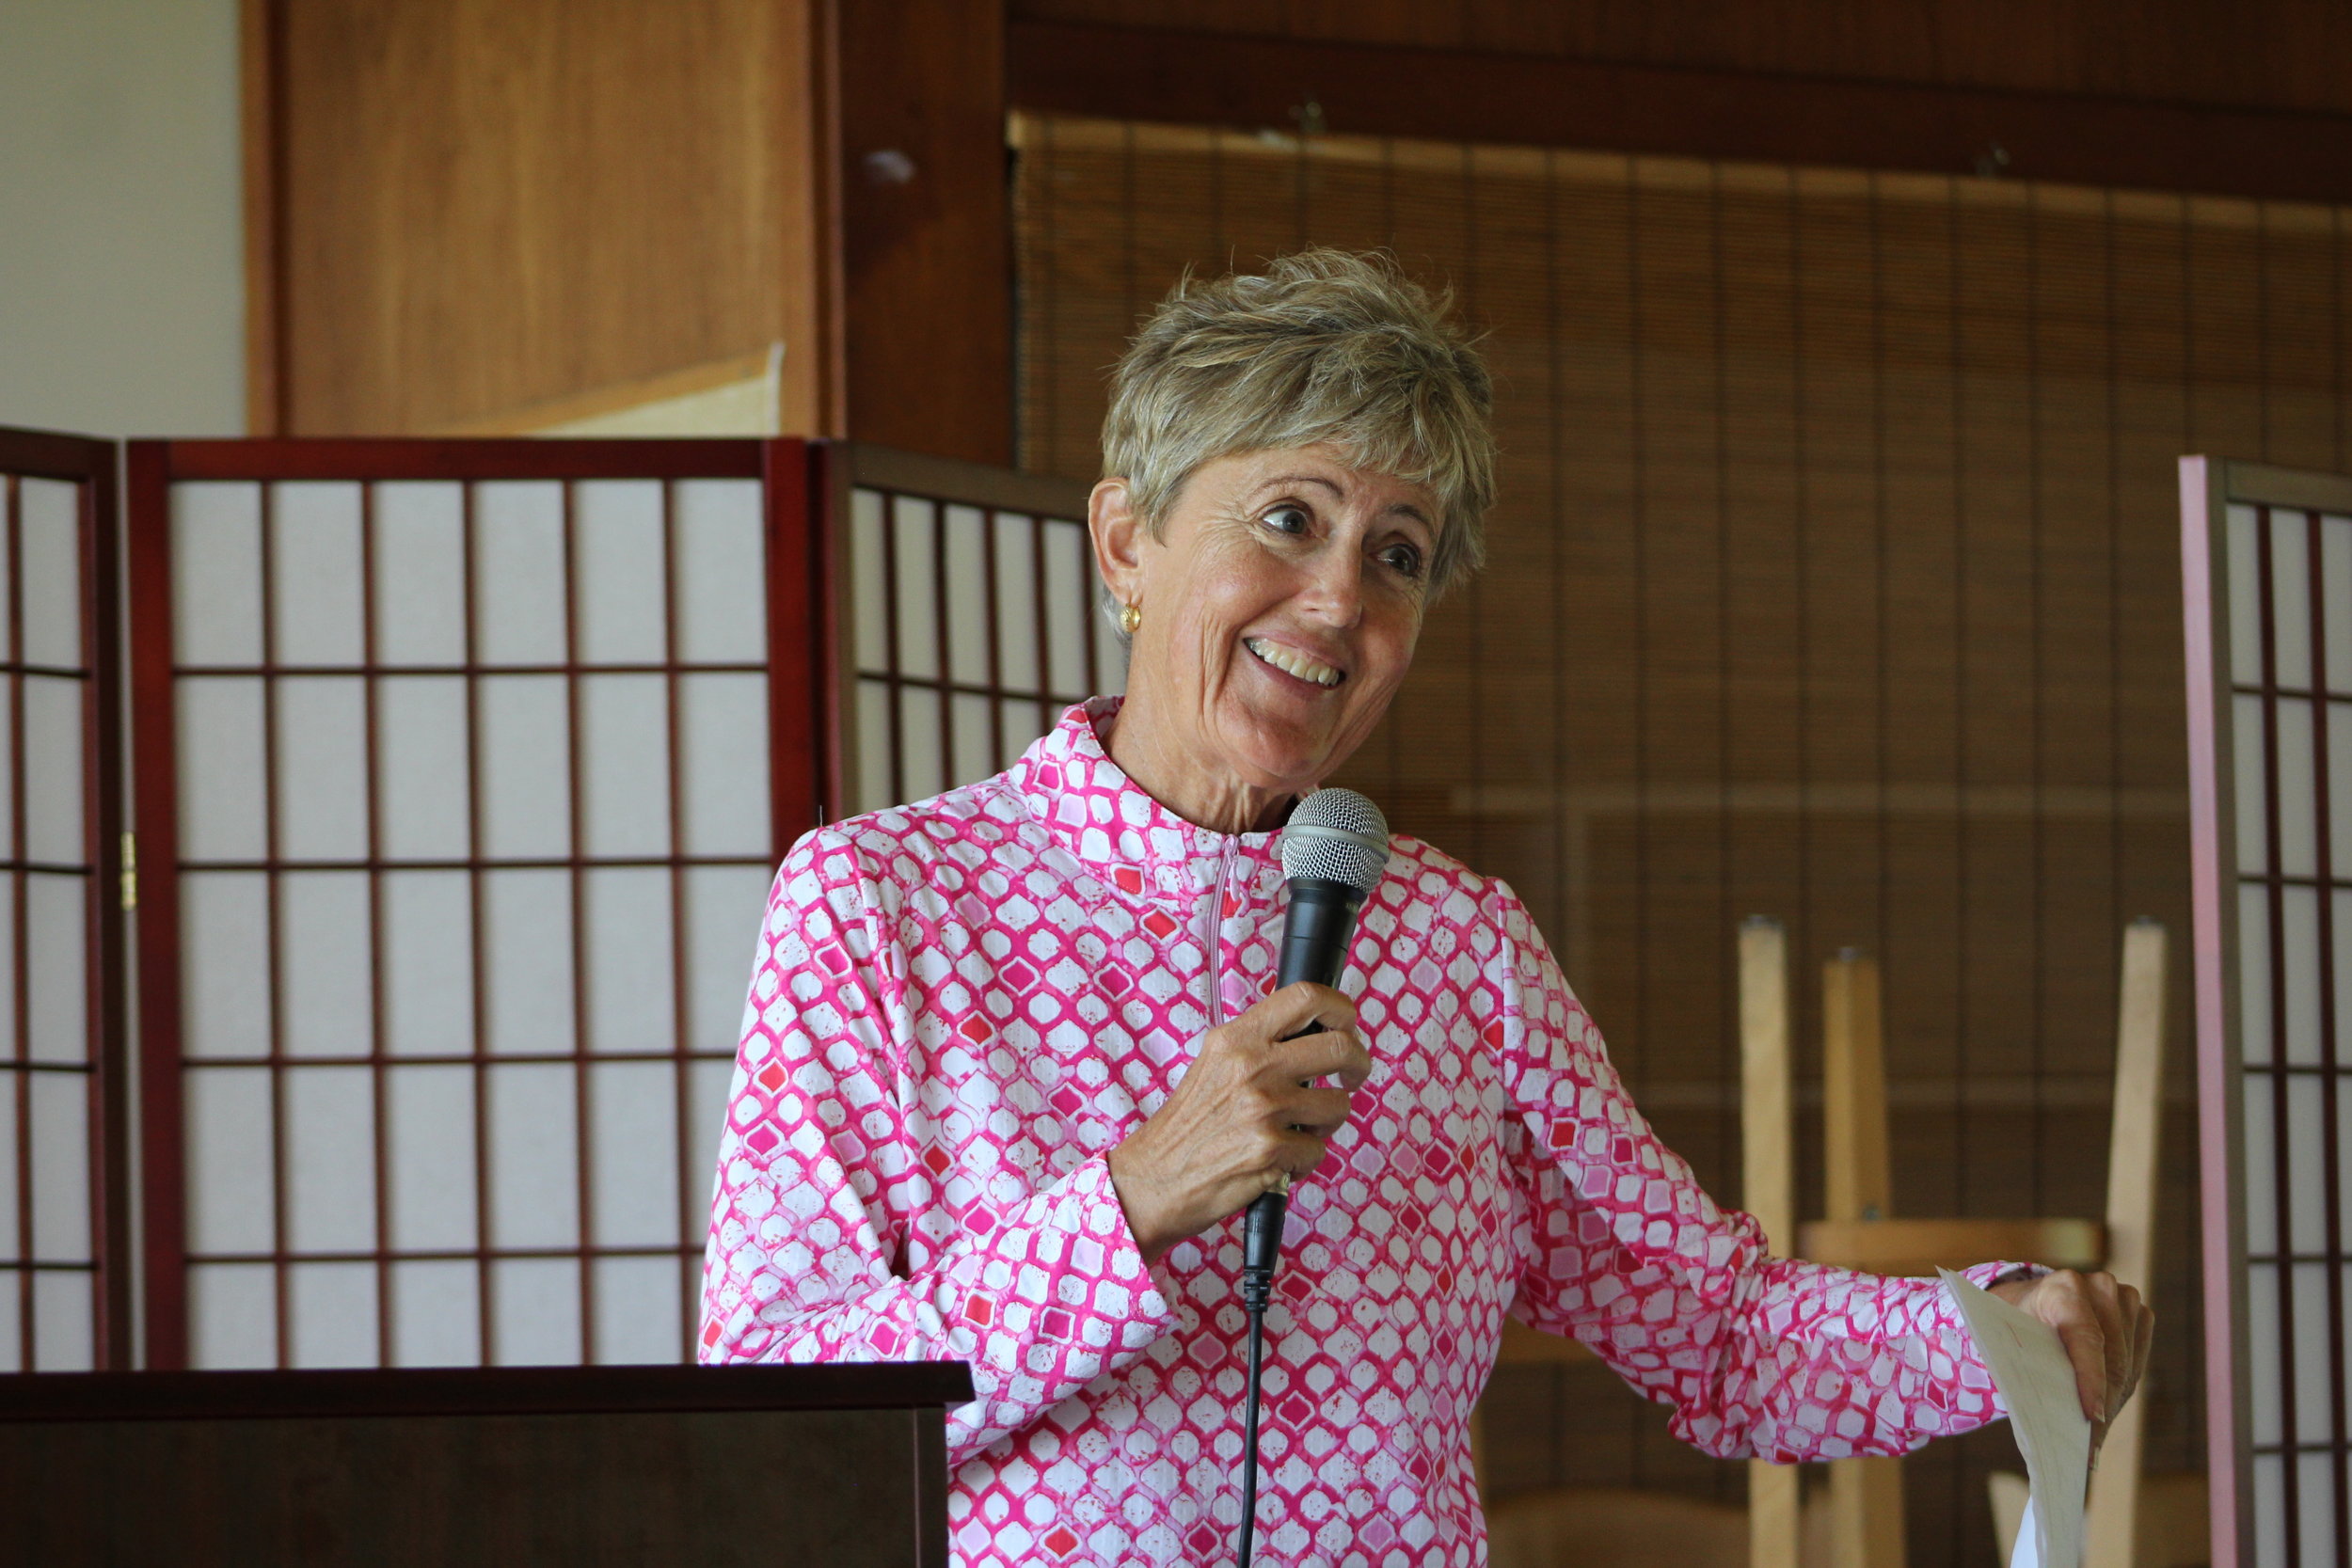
point(705, 1467)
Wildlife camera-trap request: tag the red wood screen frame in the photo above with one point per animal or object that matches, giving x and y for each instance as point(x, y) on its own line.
point(90, 466)
point(801, 714)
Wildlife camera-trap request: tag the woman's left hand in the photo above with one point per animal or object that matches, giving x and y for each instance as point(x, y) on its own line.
point(2106, 1329)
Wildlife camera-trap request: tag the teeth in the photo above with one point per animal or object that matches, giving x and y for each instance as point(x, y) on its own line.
point(1290, 663)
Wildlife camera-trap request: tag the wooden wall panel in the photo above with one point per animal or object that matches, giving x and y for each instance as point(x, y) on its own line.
point(483, 204)
point(2274, 54)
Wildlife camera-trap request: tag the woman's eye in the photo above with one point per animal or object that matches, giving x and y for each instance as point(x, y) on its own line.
point(1403, 558)
point(1288, 519)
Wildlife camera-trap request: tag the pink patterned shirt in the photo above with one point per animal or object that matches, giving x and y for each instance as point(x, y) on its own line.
point(959, 1008)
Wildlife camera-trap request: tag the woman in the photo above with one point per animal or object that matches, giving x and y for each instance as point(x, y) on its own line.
point(1010, 1066)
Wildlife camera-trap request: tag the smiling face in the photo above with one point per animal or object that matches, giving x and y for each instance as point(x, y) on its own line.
point(1280, 604)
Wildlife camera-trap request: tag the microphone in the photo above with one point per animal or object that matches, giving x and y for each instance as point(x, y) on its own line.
point(1334, 849)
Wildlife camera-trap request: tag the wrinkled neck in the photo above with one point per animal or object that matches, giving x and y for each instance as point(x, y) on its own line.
point(1187, 783)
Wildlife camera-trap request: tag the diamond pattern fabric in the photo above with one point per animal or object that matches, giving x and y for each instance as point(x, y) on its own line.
point(958, 1008)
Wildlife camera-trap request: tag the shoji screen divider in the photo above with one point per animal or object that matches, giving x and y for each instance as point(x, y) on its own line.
point(462, 771)
point(2266, 559)
point(65, 1277)
point(973, 619)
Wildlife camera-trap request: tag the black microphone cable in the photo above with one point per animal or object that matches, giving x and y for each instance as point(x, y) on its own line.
point(1334, 849)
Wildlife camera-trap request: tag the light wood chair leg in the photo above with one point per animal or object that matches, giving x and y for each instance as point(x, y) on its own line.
point(2112, 1533)
point(1768, 1188)
point(1865, 1495)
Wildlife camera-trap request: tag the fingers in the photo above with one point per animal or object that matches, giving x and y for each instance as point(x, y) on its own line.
point(2067, 1304)
point(1334, 1054)
point(1296, 1009)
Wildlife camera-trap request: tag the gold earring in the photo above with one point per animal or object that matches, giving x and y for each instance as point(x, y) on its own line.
point(1130, 617)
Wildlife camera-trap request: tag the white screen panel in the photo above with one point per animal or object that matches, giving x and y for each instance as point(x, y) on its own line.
point(535, 1305)
point(9, 1236)
point(627, 926)
point(876, 746)
point(724, 907)
point(7, 974)
point(1110, 653)
point(1016, 602)
point(64, 1322)
point(869, 581)
point(1067, 573)
point(52, 770)
point(330, 1315)
point(2291, 598)
point(2245, 615)
point(427, 955)
point(2299, 917)
point(2299, 849)
point(975, 745)
point(232, 1317)
point(533, 1125)
point(915, 581)
point(50, 538)
point(2335, 583)
point(2312, 1417)
point(722, 764)
point(420, 573)
point(429, 1195)
point(639, 1311)
point(620, 559)
point(526, 766)
point(527, 955)
point(710, 1082)
point(922, 769)
point(966, 541)
point(2307, 1185)
point(2317, 1493)
point(2267, 1412)
point(229, 1184)
point(8, 683)
point(218, 726)
point(634, 1166)
point(224, 963)
point(322, 775)
point(519, 557)
point(2252, 783)
point(423, 781)
point(60, 1160)
point(57, 983)
point(436, 1313)
point(330, 1164)
point(327, 942)
point(625, 772)
point(315, 581)
point(215, 575)
point(2261, 1188)
point(721, 591)
point(1023, 720)
point(11, 1325)
point(2253, 926)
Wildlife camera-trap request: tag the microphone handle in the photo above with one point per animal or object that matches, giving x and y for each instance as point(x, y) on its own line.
point(1315, 934)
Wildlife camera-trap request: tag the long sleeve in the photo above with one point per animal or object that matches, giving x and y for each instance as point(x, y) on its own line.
point(1620, 1247)
point(841, 1228)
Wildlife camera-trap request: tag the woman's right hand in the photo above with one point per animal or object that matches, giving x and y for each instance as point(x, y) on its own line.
point(1247, 1117)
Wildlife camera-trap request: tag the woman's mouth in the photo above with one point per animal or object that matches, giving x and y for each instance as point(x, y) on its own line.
point(1292, 663)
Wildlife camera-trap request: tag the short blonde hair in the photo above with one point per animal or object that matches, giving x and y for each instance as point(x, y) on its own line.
point(1325, 346)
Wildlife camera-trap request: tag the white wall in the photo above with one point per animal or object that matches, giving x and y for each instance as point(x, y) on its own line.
point(121, 287)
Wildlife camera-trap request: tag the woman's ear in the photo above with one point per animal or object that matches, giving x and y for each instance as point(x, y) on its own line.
point(1120, 537)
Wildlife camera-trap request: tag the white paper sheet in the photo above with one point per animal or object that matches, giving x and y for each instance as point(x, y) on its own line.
point(2037, 1383)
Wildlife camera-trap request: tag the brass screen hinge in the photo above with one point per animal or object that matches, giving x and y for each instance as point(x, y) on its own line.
point(130, 871)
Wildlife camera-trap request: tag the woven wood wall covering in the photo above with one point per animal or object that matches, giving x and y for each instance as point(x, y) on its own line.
point(1834, 577)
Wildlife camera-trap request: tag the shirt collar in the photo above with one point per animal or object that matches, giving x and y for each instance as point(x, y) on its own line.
point(1087, 801)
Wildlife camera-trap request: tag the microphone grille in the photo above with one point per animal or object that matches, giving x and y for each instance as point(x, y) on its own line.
point(1336, 835)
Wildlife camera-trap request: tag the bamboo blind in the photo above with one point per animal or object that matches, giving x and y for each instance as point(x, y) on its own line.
point(1834, 577)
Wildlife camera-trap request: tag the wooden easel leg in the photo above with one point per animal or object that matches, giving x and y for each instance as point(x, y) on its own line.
point(1772, 1515)
point(1865, 1499)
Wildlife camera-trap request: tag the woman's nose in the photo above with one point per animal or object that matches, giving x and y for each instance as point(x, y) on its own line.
point(1335, 588)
